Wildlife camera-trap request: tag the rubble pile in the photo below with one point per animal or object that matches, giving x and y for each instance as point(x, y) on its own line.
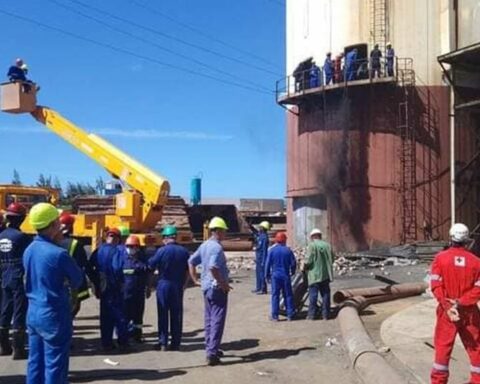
point(246, 263)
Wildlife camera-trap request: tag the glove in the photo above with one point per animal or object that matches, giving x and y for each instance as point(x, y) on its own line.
point(453, 314)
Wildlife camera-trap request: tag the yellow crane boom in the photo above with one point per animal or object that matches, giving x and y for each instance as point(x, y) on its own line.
point(152, 189)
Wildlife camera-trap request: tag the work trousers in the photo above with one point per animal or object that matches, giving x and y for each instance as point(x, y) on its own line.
point(170, 312)
point(324, 289)
point(112, 317)
point(281, 283)
point(389, 68)
point(215, 315)
point(134, 309)
point(376, 71)
point(261, 284)
point(14, 305)
point(48, 359)
point(468, 329)
point(328, 78)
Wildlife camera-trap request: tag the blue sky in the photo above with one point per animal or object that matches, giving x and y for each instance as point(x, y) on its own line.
point(177, 123)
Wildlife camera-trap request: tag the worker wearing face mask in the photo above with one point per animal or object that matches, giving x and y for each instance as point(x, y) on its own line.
point(134, 286)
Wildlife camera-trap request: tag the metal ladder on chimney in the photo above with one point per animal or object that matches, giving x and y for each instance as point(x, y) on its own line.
point(408, 158)
point(378, 23)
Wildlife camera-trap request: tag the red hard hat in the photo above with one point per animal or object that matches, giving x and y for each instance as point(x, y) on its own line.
point(113, 232)
point(67, 219)
point(16, 209)
point(133, 241)
point(281, 237)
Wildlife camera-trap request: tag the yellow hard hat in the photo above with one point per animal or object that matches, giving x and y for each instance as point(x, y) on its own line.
point(265, 225)
point(42, 215)
point(217, 223)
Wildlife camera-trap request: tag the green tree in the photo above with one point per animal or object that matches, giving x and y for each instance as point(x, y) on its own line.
point(99, 185)
point(16, 178)
point(44, 181)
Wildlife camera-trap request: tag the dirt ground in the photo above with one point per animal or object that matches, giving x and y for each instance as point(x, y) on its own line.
point(256, 349)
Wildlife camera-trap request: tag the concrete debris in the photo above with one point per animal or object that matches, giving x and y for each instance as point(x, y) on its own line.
point(331, 341)
point(384, 349)
point(240, 263)
point(111, 362)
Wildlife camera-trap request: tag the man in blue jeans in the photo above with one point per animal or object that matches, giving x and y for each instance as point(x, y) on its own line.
point(215, 286)
point(280, 265)
point(319, 267)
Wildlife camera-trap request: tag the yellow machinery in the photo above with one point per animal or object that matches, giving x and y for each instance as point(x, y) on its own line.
point(139, 208)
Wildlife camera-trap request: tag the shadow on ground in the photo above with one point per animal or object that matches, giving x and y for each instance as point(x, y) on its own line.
point(122, 375)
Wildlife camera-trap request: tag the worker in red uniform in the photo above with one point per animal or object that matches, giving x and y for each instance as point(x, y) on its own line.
point(455, 281)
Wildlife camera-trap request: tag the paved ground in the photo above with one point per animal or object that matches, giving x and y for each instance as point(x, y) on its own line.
point(257, 350)
point(409, 334)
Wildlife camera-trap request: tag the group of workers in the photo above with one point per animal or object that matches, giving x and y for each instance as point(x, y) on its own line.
point(277, 264)
point(44, 279)
point(344, 67)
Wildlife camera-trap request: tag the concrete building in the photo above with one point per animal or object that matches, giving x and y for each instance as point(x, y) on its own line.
point(369, 160)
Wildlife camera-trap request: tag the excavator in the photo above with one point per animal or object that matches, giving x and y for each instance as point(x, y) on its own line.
point(139, 206)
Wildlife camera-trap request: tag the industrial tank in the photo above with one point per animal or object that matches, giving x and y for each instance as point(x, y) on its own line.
point(347, 169)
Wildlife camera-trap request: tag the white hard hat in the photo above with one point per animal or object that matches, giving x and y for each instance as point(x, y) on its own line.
point(459, 233)
point(315, 231)
point(389, 43)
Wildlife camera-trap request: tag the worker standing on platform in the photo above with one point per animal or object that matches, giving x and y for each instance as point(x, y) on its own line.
point(49, 272)
point(328, 68)
point(455, 283)
point(315, 76)
point(135, 280)
point(337, 69)
point(319, 267)
point(215, 286)
point(280, 265)
point(351, 64)
point(375, 65)
point(261, 252)
point(171, 262)
point(76, 250)
point(390, 57)
point(107, 262)
point(13, 243)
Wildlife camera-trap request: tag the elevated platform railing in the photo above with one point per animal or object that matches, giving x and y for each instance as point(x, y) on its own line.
point(291, 89)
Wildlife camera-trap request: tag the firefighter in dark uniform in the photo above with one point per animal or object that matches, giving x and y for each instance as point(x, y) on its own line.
point(76, 250)
point(13, 243)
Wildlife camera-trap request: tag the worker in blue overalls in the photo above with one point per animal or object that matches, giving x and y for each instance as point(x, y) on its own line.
point(50, 273)
point(135, 279)
point(171, 262)
point(280, 265)
point(351, 64)
point(328, 68)
point(107, 261)
point(261, 250)
point(13, 243)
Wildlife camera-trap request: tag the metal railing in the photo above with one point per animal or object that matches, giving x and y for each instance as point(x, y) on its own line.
point(305, 81)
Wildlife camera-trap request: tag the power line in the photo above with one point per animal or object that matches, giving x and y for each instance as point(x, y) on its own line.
point(200, 32)
point(119, 30)
point(174, 38)
point(128, 52)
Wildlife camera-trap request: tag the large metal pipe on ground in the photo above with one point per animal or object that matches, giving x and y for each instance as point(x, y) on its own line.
point(366, 360)
point(407, 289)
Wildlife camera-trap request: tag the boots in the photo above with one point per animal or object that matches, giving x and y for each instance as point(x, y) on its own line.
point(18, 342)
point(5, 347)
